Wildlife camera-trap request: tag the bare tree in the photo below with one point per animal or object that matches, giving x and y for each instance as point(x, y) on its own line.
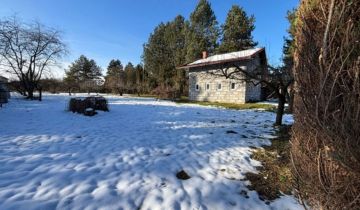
point(278, 80)
point(28, 51)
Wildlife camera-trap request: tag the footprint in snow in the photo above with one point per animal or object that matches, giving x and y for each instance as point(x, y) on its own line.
point(231, 132)
point(233, 203)
point(244, 194)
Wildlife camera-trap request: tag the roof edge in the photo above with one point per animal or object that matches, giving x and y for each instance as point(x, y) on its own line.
point(187, 66)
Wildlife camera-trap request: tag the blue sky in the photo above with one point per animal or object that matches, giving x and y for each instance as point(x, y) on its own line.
point(107, 29)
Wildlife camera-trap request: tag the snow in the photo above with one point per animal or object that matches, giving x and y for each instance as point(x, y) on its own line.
point(128, 158)
point(227, 56)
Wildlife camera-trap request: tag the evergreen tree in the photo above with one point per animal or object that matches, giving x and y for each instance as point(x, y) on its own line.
point(83, 72)
point(140, 76)
point(165, 50)
point(157, 56)
point(130, 77)
point(177, 43)
point(140, 79)
point(176, 40)
point(115, 78)
point(83, 69)
point(114, 67)
point(237, 31)
point(203, 32)
point(289, 45)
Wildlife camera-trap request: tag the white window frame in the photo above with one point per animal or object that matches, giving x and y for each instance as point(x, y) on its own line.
point(197, 87)
point(219, 86)
point(231, 86)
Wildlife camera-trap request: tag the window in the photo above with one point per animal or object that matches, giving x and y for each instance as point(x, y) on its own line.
point(219, 86)
point(207, 86)
point(196, 87)
point(233, 86)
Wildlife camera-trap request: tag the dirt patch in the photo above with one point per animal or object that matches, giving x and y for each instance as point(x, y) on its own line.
point(275, 174)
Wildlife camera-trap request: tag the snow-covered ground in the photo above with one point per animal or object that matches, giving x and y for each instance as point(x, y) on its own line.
point(128, 158)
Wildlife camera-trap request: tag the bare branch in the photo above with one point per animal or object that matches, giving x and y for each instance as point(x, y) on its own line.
point(28, 49)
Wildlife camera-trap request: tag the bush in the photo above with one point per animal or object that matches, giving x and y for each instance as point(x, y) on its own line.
point(166, 92)
point(326, 134)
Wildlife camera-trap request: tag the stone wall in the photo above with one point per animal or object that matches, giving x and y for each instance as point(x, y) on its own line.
point(215, 94)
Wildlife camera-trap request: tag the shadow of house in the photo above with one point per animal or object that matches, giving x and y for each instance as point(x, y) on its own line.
point(4, 91)
point(208, 81)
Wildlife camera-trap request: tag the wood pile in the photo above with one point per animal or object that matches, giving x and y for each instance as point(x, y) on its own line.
point(88, 105)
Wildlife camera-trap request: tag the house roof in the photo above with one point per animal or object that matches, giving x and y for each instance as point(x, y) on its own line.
point(224, 58)
point(3, 79)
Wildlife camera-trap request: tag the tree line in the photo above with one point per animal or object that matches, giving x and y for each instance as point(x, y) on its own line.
point(182, 41)
point(171, 44)
point(84, 75)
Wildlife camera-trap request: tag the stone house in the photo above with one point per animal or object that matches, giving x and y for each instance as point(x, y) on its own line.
point(4, 91)
point(208, 83)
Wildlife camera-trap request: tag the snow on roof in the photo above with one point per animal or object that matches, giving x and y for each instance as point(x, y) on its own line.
point(239, 55)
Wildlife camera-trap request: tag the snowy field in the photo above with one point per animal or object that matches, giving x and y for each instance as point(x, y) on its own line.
point(128, 158)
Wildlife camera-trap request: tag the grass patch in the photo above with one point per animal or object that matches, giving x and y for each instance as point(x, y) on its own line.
point(267, 107)
point(143, 95)
point(275, 174)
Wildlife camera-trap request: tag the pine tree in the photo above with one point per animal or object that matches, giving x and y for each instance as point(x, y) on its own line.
point(83, 69)
point(130, 77)
point(114, 67)
point(140, 79)
point(289, 45)
point(176, 40)
point(140, 76)
point(237, 31)
point(81, 73)
point(177, 43)
point(203, 32)
point(157, 56)
point(115, 78)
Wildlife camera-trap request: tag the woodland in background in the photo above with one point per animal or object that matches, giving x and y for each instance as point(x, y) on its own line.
point(171, 44)
point(176, 43)
point(182, 41)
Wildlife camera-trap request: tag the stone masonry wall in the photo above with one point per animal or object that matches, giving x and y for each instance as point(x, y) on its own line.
point(214, 93)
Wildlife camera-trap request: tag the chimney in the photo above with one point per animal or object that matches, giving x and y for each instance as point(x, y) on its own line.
point(204, 54)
